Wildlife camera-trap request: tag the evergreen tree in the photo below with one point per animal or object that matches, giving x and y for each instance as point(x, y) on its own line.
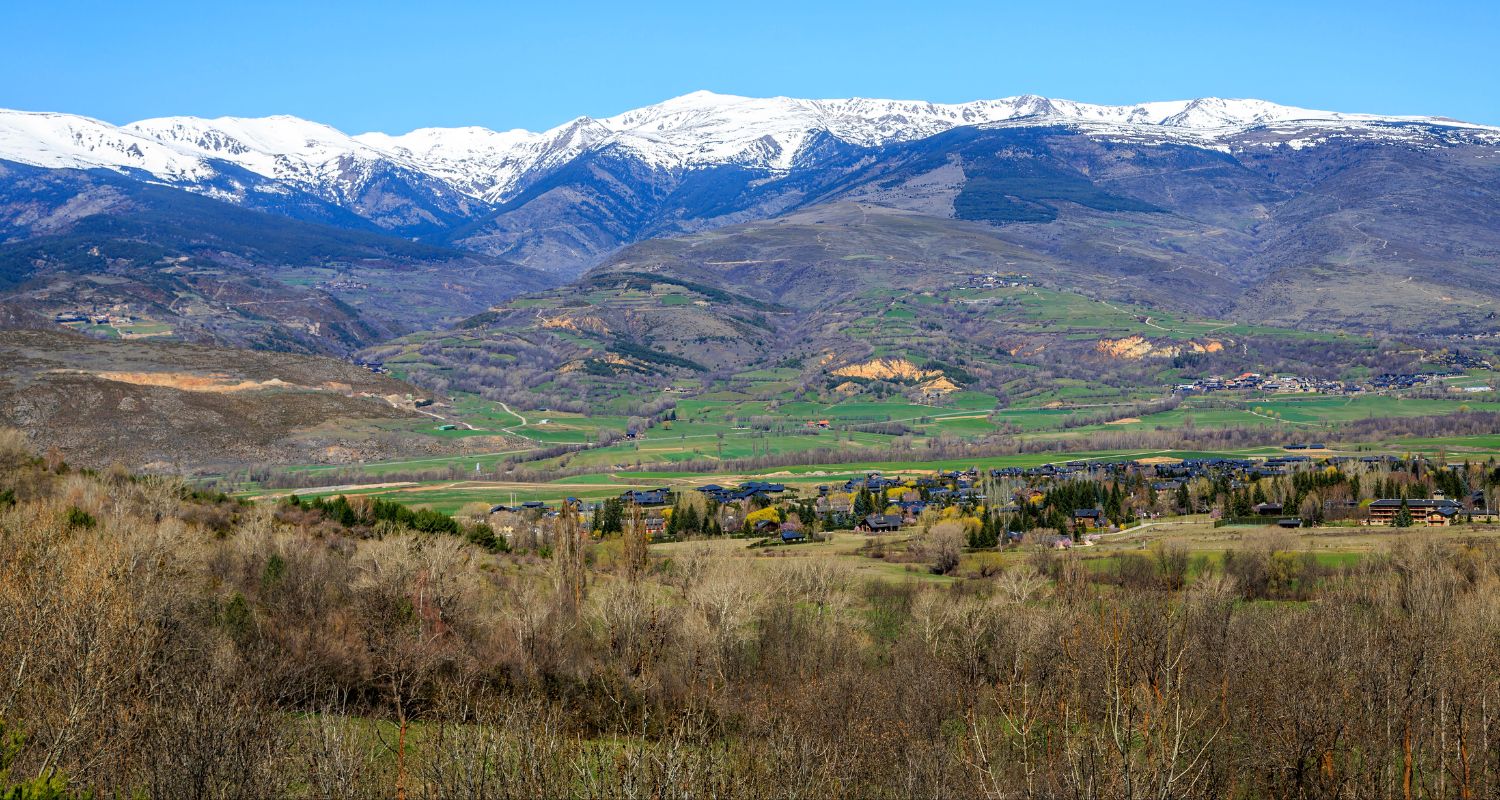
point(674, 521)
point(862, 504)
point(1403, 516)
point(1239, 505)
point(990, 530)
point(612, 516)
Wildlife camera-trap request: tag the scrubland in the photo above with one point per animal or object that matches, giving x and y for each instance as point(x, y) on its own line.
point(159, 642)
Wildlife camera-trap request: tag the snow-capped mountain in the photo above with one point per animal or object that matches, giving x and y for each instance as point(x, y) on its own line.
point(696, 130)
point(564, 198)
point(1185, 203)
point(66, 141)
point(283, 148)
point(488, 165)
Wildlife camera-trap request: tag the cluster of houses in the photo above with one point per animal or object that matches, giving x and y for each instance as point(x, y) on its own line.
point(935, 491)
point(1243, 470)
point(1461, 361)
point(93, 318)
point(343, 285)
point(744, 491)
point(1271, 384)
point(1296, 384)
point(997, 280)
point(903, 500)
point(1409, 380)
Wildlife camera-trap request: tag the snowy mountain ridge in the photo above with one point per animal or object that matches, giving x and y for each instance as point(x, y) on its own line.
point(696, 130)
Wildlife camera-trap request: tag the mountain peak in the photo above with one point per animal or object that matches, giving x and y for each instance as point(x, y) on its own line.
point(697, 129)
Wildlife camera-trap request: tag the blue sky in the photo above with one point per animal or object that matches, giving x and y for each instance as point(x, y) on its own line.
point(395, 66)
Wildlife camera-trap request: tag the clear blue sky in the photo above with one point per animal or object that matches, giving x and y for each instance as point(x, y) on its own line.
point(395, 66)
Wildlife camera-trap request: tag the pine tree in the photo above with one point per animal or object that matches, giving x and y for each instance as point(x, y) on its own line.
point(674, 524)
point(1239, 504)
point(612, 516)
point(1112, 502)
point(990, 530)
point(1403, 516)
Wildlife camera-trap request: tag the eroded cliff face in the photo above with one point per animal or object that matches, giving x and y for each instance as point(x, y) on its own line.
point(886, 369)
point(578, 323)
point(940, 385)
point(930, 381)
point(1135, 348)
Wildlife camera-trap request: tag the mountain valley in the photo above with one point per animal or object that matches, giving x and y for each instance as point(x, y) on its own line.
point(746, 250)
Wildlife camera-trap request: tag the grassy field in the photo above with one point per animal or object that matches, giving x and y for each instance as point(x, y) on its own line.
point(842, 547)
point(449, 494)
point(731, 426)
point(1206, 545)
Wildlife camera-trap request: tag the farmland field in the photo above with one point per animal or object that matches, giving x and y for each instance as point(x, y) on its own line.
point(720, 430)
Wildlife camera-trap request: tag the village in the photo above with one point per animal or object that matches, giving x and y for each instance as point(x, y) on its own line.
point(1252, 382)
point(1063, 505)
point(118, 319)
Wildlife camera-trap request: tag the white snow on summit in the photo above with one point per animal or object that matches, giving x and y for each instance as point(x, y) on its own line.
point(694, 130)
point(487, 164)
point(67, 141)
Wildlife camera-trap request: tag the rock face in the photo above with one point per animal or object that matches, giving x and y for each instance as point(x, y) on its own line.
point(576, 322)
point(940, 385)
point(886, 369)
point(1135, 348)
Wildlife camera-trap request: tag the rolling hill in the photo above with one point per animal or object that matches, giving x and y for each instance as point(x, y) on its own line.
point(848, 299)
point(177, 407)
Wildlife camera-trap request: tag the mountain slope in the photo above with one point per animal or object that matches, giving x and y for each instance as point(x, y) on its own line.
point(75, 242)
point(847, 300)
point(1221, 207)
point(187, 407)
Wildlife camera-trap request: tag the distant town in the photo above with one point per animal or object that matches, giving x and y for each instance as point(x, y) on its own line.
point(1296, 384)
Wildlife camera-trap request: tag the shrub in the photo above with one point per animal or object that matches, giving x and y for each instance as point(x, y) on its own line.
point(77, 518)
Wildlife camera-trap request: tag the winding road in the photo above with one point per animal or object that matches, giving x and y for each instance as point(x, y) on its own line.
point(512, 429)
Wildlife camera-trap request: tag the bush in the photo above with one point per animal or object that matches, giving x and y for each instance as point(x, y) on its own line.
point(77, 518)
point(943, 546)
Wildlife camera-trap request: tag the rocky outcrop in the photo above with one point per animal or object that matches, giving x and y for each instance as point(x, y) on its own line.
point(1135, 348)
point(886, 369)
